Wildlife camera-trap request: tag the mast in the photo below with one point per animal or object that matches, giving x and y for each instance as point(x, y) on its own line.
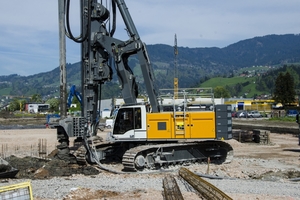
point(175, 69)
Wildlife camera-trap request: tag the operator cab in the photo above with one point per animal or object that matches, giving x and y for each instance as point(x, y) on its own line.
point(130, 123)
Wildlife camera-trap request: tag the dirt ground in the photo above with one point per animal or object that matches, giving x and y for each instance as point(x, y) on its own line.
point(26, 142)
point(278, 159)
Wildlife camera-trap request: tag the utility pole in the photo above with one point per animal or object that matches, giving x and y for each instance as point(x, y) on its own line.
point(62, 59)
point(175, 69)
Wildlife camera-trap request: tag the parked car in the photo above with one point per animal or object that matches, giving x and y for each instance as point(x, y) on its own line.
point(233, 114)
point(291, 113)
point(242, 114)
point(254, 114)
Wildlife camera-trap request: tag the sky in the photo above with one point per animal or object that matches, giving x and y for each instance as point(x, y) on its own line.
point(29, 42)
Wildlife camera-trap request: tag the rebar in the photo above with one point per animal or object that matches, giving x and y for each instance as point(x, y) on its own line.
point(206, 189)
point(171, 189)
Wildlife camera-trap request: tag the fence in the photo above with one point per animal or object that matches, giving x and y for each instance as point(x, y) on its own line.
point(20, 191)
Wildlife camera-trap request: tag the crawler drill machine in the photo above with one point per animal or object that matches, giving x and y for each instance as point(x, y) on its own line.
point(144, 136)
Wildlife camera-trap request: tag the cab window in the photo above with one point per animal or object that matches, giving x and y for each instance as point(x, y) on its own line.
point(127, 119)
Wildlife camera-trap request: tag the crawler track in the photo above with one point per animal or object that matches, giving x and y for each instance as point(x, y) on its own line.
point(158, 156)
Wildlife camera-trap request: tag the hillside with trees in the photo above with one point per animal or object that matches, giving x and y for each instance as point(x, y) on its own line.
point(273, 53)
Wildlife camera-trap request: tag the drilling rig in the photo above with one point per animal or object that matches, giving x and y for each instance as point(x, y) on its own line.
point(144, 136)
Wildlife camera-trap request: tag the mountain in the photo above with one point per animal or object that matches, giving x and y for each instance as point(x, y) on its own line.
point(194, 65)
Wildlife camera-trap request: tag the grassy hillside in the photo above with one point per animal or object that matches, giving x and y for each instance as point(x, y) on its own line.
point(194, 66)
point(248, 85)
point(220, 81)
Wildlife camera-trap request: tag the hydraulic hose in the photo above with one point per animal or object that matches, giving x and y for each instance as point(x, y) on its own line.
point(68, 31)
point(114, 18)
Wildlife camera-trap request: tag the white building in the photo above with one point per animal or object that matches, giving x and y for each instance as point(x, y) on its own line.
point(37, 108)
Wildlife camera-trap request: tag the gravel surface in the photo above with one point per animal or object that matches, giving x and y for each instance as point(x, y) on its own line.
point(256, 172)
point(60, 188)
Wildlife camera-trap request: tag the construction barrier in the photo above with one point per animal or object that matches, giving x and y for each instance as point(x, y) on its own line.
point(20, 191)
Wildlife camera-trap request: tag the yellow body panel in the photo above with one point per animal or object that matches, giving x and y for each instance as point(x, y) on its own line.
point(159, 126)
point(188, 125)
point(202, 125)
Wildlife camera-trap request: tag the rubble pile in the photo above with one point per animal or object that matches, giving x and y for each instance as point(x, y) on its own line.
point(36, 168)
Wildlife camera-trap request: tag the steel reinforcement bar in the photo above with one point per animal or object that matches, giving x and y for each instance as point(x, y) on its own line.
point(171, 189)
point(207, 190)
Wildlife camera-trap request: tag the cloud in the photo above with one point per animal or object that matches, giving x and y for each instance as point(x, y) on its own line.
point(200, 23)
point(29, 29)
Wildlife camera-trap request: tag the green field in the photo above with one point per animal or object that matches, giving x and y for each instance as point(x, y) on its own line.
point(5, 91)
point(248, 89)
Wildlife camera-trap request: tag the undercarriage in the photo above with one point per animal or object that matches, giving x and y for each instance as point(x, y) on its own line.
point(149, 156)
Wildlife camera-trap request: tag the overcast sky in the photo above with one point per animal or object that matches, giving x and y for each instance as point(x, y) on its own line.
point(29, 29)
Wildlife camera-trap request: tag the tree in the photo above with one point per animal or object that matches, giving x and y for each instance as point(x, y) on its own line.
point(261, 86)
point(238, 88)
point(269, 82)
point(284, 89)
point(54, 104)
point(78, 105)
point(290, 92)
point(255, 96)
point(36, 98)
point(14, 105)
point(220, 92)
point(22, 103)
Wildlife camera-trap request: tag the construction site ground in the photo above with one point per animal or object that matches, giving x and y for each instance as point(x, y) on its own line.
point(277, 161)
